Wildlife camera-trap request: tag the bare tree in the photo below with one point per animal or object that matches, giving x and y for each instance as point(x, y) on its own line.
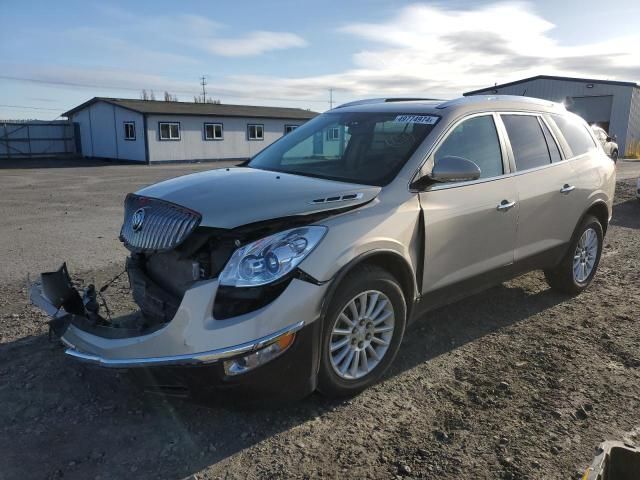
point(170, 98)
point(144, 95)
point(152, 96)
point(198, 99)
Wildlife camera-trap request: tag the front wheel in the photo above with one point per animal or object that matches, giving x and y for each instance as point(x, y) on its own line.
point(576, 270)
point(362, 331)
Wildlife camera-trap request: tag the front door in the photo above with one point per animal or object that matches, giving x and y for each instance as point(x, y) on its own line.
point(470, 227)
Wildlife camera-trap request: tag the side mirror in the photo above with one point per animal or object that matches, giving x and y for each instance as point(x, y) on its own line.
point(449, 169)
point(454, 169)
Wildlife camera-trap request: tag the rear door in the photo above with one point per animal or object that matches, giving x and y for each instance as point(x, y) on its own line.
point(545, 184)
point(470, 227)
point(584, 158)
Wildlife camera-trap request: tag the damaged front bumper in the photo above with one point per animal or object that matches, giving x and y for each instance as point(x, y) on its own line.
point(202, 358)
point(192, 337)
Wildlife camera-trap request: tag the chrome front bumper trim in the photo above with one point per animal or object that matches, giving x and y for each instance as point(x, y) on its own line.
point(202, 358)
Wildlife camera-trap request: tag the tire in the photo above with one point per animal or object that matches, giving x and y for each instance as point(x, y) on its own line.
point(382, 292)
point(568, 277)
point(614, 156)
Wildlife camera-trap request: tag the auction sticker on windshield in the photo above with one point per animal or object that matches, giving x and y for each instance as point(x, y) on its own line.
point(424, 119)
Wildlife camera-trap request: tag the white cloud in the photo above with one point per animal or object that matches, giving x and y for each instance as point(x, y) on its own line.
point(196, 32)
point(254, 43)
point(423, 50)
point(442, 52)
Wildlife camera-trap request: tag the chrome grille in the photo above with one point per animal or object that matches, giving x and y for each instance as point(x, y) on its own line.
point(163, 227)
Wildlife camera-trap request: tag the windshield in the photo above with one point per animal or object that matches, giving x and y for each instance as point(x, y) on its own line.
point(358, 147)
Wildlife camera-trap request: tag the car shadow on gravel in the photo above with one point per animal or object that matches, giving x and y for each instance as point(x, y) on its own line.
point(85, 421)
point(450, 327)
point(627, 214)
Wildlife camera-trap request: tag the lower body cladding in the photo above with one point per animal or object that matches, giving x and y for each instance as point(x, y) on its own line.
point(272, 351)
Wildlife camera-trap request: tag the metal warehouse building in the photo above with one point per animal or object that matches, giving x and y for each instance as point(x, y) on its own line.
point(615, 106)
point(157, 131)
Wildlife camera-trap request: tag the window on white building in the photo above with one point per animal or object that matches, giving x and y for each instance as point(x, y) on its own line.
point(289, 128)
point(169, 130)
point(333, 133)
point(255, 132)
point(213, 131)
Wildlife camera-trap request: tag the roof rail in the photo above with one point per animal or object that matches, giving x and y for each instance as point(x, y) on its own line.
point(368, 101)
point(497, 98)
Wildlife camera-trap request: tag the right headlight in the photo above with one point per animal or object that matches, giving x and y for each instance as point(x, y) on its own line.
point(270, 258)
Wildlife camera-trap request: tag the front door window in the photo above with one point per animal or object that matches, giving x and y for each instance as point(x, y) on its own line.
point(475, 139)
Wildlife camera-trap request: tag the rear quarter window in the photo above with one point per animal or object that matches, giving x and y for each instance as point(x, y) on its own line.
point(576, 134)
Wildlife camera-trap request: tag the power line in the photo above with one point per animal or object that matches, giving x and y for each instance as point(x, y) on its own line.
point(30, 107)
point(219, 93)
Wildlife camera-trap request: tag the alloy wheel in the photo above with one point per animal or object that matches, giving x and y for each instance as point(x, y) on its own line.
point(584, 258)
point(361, 335)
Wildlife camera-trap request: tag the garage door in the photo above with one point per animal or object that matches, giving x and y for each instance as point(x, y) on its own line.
point(592, 109)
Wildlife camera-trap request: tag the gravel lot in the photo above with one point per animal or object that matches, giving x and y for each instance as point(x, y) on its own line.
point(517, 382)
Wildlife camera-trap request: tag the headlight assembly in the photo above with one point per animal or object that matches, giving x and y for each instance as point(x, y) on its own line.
point(270, 258)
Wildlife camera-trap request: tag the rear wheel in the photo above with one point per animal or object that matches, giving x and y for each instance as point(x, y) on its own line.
point(362, 331)
point(576, 270)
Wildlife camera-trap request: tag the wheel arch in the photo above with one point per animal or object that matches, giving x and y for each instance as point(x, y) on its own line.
point(600, 210)
point(389, 260)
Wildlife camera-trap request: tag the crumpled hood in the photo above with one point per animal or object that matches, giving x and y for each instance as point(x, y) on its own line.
point(229, 198)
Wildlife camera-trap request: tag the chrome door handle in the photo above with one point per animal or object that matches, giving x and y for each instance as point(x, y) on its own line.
point(566, 188)
point(505, 205)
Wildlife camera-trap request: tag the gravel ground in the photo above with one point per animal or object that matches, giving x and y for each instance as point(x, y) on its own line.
point(77, 204)
point(517, 382)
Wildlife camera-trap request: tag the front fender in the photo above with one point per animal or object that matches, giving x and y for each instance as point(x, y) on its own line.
point(373, 228)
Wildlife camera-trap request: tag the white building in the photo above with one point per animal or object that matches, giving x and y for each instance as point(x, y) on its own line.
point(613, 105)
point(157, 131)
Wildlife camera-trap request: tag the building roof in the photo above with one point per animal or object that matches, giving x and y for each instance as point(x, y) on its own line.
point(159, 107)
point(551, 77)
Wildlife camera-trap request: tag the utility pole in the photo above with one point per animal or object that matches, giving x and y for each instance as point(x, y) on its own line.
point(204, 92)
point(330, 98)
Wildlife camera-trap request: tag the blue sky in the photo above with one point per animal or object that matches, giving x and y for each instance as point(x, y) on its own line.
point(54, 56)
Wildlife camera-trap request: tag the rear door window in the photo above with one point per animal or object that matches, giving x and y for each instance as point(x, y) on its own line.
point(554, 151)
point(575, 133)
point(477, 140)
point(527, 141)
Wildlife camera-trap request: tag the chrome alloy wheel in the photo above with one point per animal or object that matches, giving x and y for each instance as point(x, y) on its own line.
point(361, 335)
point(584, 258)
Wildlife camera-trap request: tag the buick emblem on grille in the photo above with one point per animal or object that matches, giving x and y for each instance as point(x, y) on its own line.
point(137, 219)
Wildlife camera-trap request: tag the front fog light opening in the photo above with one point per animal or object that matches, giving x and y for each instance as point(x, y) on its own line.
point(259, 357)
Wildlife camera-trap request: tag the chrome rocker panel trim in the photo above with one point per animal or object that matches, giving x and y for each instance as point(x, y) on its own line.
point(202, 358)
